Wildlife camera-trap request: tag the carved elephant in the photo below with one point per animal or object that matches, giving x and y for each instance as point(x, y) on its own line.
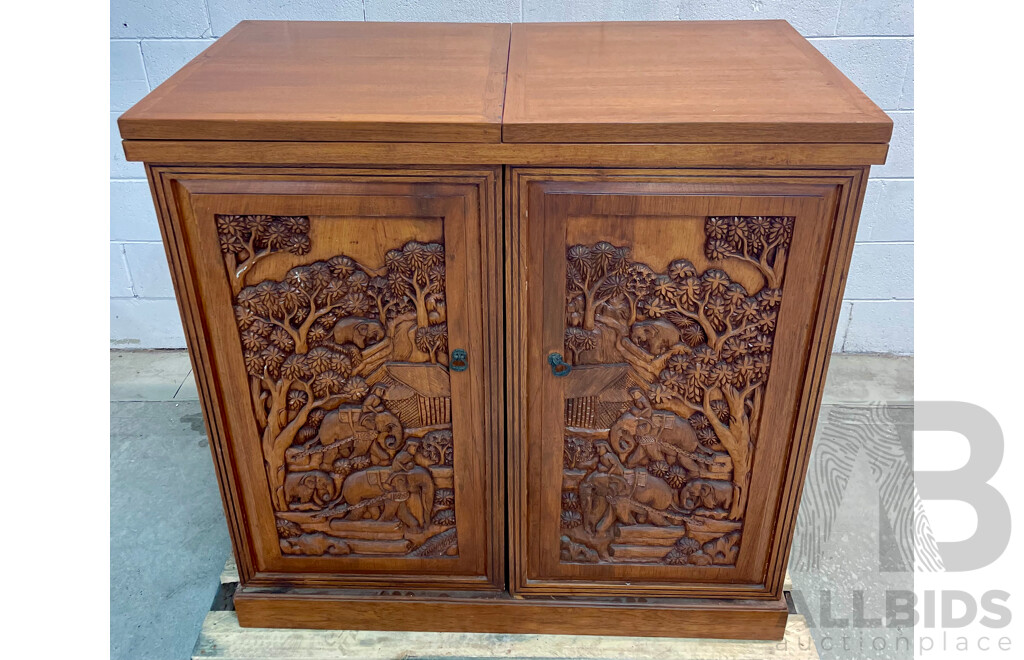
point(665, 437)
point(342, 431)
point(357, 330)
point(656, 336)
point(607, 498)
point(407, 496)
point(706, 493)
point(312, 489)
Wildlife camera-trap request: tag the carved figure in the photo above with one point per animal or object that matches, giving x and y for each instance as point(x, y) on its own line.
point(356, 330)
point(380, 494)
point(310, 490)
point(376, 417)
point(664, 436)
point(656, 336)
point(609, 498)
point(706, 493)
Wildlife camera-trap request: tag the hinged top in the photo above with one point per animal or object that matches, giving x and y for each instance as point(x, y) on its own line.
point(708, 81)
point(334, 81)
point(663, 82)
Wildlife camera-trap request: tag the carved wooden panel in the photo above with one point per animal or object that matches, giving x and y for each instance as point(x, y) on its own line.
point(663, 403)
point(348, 371)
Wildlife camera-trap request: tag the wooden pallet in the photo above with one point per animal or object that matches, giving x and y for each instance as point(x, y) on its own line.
point(221, 637)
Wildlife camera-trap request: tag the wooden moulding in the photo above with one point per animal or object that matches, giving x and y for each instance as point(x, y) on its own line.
point(501, 613)
point(216, 152)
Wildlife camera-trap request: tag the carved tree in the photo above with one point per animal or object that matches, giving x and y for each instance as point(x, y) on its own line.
point(760, 240)
point(596, 274)
point(578, 340)
point(724, 375)
point(281, 324)
point(433, 340)
point(718, 361)
point(246, 239)
point(414, 272)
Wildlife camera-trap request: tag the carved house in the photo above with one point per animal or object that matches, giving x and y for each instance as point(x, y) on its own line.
point(418, 393)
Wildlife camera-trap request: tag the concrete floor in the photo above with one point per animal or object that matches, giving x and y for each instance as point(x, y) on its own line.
point(168, 538)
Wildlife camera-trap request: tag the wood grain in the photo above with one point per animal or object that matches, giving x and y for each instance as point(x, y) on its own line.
point(281, 80)
point(222, 638)
point(385, 150)
point(500, 613)
point(568, 155)
point(679, 81)
point(357, 211)
point(650, 210)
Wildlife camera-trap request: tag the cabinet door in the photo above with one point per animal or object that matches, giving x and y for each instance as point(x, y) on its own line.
point(669, 332)
point(339, 328)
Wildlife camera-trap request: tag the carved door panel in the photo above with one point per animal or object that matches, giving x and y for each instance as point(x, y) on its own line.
point(663, 322)
point(344, 367)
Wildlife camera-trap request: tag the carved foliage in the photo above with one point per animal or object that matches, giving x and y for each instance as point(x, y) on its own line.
point(350, 390)
point(663, 405)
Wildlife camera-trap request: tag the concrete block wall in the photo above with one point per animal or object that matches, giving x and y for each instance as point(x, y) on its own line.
point(871, 41)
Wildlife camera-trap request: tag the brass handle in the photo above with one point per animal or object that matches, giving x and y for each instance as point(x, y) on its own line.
point(559, 366)
point(459, 361)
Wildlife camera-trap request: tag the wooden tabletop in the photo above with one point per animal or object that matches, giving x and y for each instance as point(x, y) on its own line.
point(662, 82)
point(334, 81)
point(701, 81)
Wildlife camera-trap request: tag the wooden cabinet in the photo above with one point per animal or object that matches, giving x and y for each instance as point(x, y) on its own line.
point(340, 309)
point(511, 329)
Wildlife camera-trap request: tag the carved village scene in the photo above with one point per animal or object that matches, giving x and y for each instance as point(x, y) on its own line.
point(664, 396)
point(347, 366)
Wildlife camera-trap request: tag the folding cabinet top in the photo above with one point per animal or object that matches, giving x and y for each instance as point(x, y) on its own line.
point(658, 82)
point(334, 81)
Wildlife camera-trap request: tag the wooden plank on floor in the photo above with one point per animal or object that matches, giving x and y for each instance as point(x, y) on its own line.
point(223, 639)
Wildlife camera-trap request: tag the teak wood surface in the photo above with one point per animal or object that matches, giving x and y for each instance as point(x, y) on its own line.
point(680, 81)
point(345, 205)
point(309, 80)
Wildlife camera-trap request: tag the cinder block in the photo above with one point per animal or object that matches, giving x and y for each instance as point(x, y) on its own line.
point(120, 283)
point(119, 167)
point(600, 10)
point(141, 323)
point(164, 58)
point(127, 74)
point(879, 271)
point(842, 326)
point(888, 213)
point(452, 11)
point(132, 216)
point(907, 95)
point(881, 327)
point(876, 17)
point(225, 14)
point(147, 263)
point(158, 18)
point(900, 162)
point(809, 17)
point(875, 65)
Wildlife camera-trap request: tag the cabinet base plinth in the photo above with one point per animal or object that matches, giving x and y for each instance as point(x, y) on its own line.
point(500, 613)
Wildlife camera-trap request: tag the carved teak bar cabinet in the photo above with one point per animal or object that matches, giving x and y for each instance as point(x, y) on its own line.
point(510, 328)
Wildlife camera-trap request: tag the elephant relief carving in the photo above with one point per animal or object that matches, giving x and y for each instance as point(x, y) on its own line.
point(707, 494)
point(655, 336)
point(380, 493)
point(357, 330)
point(639, 437)
point(312, 489)
point(629, 499)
